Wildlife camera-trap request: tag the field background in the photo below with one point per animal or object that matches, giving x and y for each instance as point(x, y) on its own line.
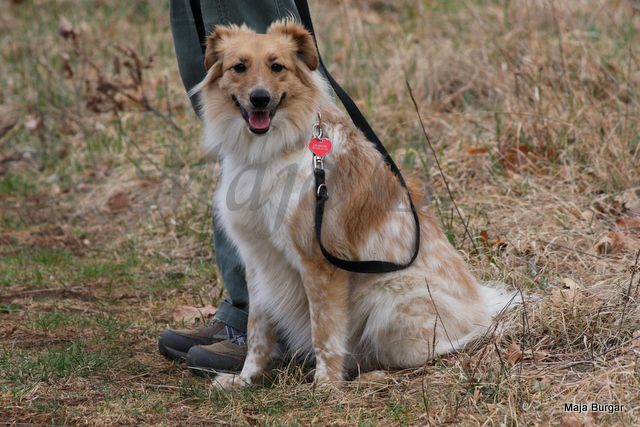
point(534, 111)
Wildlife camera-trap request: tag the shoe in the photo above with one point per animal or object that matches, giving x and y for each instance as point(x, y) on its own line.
point(175, 343)
point(224, 356)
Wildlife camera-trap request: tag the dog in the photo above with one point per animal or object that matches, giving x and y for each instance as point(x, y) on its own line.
point(261, 100)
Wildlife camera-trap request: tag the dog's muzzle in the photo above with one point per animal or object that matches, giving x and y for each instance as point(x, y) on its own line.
point(258, 119)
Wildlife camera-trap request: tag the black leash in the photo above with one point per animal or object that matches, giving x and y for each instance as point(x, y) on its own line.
point(322, 193)
point(197, 19)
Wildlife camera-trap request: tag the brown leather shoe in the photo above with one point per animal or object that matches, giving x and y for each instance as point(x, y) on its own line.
point(223, 356)
point(175, 343)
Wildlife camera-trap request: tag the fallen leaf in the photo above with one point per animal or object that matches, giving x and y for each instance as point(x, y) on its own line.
point(189, 314)
point(8, 118)
point(611, 244)
point(484, 237)
point(630, 201)
point(31, 123)
point(118, 201)
point(540, 355)
point(66, 29)
point(515, 158)
point(514, 353)
point(567, 293)
point(571, 421)
point(575, 212)
point(339, 56)
point(476, 150)
point(628, 223)
point(635, 340)
point(587, 215)
point(570, 283)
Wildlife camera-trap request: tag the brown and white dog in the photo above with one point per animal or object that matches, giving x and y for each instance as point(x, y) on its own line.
point(260, 99)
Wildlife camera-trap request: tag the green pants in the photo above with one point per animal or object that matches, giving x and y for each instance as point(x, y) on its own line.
point(257, 14)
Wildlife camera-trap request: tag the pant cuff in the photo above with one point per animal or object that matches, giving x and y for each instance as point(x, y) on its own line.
point(232, 316)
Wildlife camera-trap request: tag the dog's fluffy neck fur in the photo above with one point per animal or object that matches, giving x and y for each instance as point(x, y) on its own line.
point(227, 135)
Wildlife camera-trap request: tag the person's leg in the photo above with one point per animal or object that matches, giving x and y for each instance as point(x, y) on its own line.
point(175, 343)
point(257, 15)
point(210, 347)
point(234, 310)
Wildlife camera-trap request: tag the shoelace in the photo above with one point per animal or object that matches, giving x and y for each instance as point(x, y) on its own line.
point(235, 336)
point(239, 339)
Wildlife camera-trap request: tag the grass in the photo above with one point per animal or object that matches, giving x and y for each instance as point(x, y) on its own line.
point(534, 110)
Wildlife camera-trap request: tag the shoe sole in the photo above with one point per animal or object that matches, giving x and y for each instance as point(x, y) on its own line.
point(204, 363)
point(208, 372)
point(171, 354)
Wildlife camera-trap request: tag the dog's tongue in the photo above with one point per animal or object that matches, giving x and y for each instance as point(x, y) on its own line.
point(259, 120)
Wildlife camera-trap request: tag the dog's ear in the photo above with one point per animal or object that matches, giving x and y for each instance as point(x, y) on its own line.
point(213, 51)
point(306, 48)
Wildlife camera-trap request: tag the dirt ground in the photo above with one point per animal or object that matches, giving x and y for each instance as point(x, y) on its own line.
point(533, 107)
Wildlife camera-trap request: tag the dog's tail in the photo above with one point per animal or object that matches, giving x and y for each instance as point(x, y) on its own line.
point(499, 299)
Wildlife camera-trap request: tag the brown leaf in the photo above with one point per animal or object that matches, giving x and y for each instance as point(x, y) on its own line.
point(118, 201)
point(32, 123)
point(189, 314)
point(570, 284)
point(514, 353)
point(497, 241)
point(587, 215)
point(66, 68)
point(540, 355)
point(8, 118)
point(515, 158)
point(630, 201)
point(66, 30)
point(476, 150)
point(575, 212)
point(339, 56)
point(567, 293)
point(635, 340)
point(611, 244)
point(628, 223)
point(571, 420)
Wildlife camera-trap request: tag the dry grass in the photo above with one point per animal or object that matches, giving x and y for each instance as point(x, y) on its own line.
point(534, 109)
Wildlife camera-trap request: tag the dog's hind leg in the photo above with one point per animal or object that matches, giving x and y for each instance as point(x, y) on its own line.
point(409, 323)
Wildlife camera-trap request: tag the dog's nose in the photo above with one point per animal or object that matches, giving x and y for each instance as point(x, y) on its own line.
point(260, 98)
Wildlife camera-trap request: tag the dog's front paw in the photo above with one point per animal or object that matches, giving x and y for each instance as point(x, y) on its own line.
point(230, 382)
point(325, 383)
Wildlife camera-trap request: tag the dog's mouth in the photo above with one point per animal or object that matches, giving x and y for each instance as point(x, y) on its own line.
point(259, 121)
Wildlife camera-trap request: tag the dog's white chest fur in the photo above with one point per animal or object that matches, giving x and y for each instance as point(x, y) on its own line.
point(255, 202)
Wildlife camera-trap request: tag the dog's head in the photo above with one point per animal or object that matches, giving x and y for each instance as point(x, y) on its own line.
point(265, 80)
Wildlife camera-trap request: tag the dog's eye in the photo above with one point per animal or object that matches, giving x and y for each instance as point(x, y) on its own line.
point(240, 68)
point(276, 68)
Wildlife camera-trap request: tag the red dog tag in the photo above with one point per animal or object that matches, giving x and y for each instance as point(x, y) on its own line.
point(320, 147)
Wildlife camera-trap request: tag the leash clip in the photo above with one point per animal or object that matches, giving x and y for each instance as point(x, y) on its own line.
point(317, 127)
point(318, 162)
